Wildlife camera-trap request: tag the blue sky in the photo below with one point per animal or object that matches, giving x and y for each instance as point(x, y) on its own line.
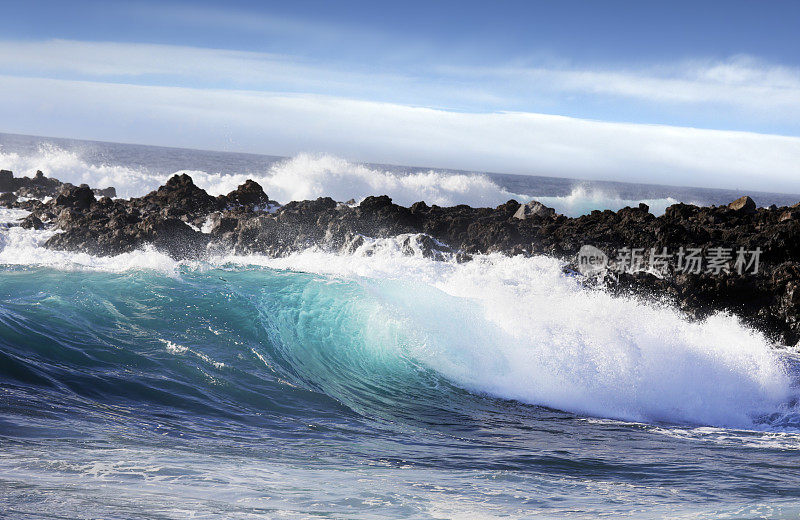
point(701, 93)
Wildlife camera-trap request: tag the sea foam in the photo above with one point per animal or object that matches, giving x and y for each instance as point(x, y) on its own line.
point(517, 328)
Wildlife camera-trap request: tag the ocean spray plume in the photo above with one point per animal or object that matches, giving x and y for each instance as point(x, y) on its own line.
point(584, 199)
point(69, 166)
point(308, 176)
point(305, 176)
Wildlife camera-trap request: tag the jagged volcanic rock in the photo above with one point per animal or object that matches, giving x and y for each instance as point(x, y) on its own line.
point(744, 205)
point(40, 186)
point(171, 217)
point(248, 194)
point(534, 208)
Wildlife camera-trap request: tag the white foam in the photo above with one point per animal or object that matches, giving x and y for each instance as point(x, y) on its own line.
point(11, 216)
point(308, 176)
point(69, 166)
point(24, 247)
point(176, 349)
point(517, 328)
point(584, 199)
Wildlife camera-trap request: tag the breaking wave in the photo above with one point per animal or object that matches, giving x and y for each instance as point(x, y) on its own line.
point(308, 176)
point(304, 176)
point(405, 326)
point(584, 199)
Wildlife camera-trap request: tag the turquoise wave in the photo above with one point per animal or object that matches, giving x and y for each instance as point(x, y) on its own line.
point(245, 391)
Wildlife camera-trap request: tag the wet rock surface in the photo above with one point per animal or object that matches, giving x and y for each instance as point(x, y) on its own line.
point(184, 221)
point(40, 186)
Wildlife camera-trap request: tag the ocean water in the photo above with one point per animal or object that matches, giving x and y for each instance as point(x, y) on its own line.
point(373, 384)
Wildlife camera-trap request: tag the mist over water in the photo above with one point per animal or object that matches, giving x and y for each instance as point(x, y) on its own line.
point(375, 384)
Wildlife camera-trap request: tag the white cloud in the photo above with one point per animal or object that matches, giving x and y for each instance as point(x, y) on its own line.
point(384, 132)
point(176, 65)
point(741, 81)
point(103, 59)
point(758, 90)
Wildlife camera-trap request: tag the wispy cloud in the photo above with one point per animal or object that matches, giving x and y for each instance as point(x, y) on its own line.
point(741, 81)
point(258, 22)
point(387, 132)
point(174, 65)
point(744, 85)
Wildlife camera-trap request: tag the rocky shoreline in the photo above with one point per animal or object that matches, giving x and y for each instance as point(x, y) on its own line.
point(184, 221)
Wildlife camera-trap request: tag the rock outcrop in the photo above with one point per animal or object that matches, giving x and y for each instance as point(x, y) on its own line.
point(40, 186)
point(534, 208)
point(743, 205)
point(186, 222)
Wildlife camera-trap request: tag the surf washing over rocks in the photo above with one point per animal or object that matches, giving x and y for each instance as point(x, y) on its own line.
point(134, 171)
point(510, 327)
point(63, 226)
point(605, 350)
point(185, 221)
point(230, 348)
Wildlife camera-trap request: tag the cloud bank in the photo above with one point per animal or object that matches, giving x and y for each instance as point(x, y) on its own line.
point(514, 142)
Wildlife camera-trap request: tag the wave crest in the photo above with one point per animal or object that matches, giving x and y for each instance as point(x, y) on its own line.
point(516, 328)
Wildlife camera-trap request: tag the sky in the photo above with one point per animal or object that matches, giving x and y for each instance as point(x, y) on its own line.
point(684, 93)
